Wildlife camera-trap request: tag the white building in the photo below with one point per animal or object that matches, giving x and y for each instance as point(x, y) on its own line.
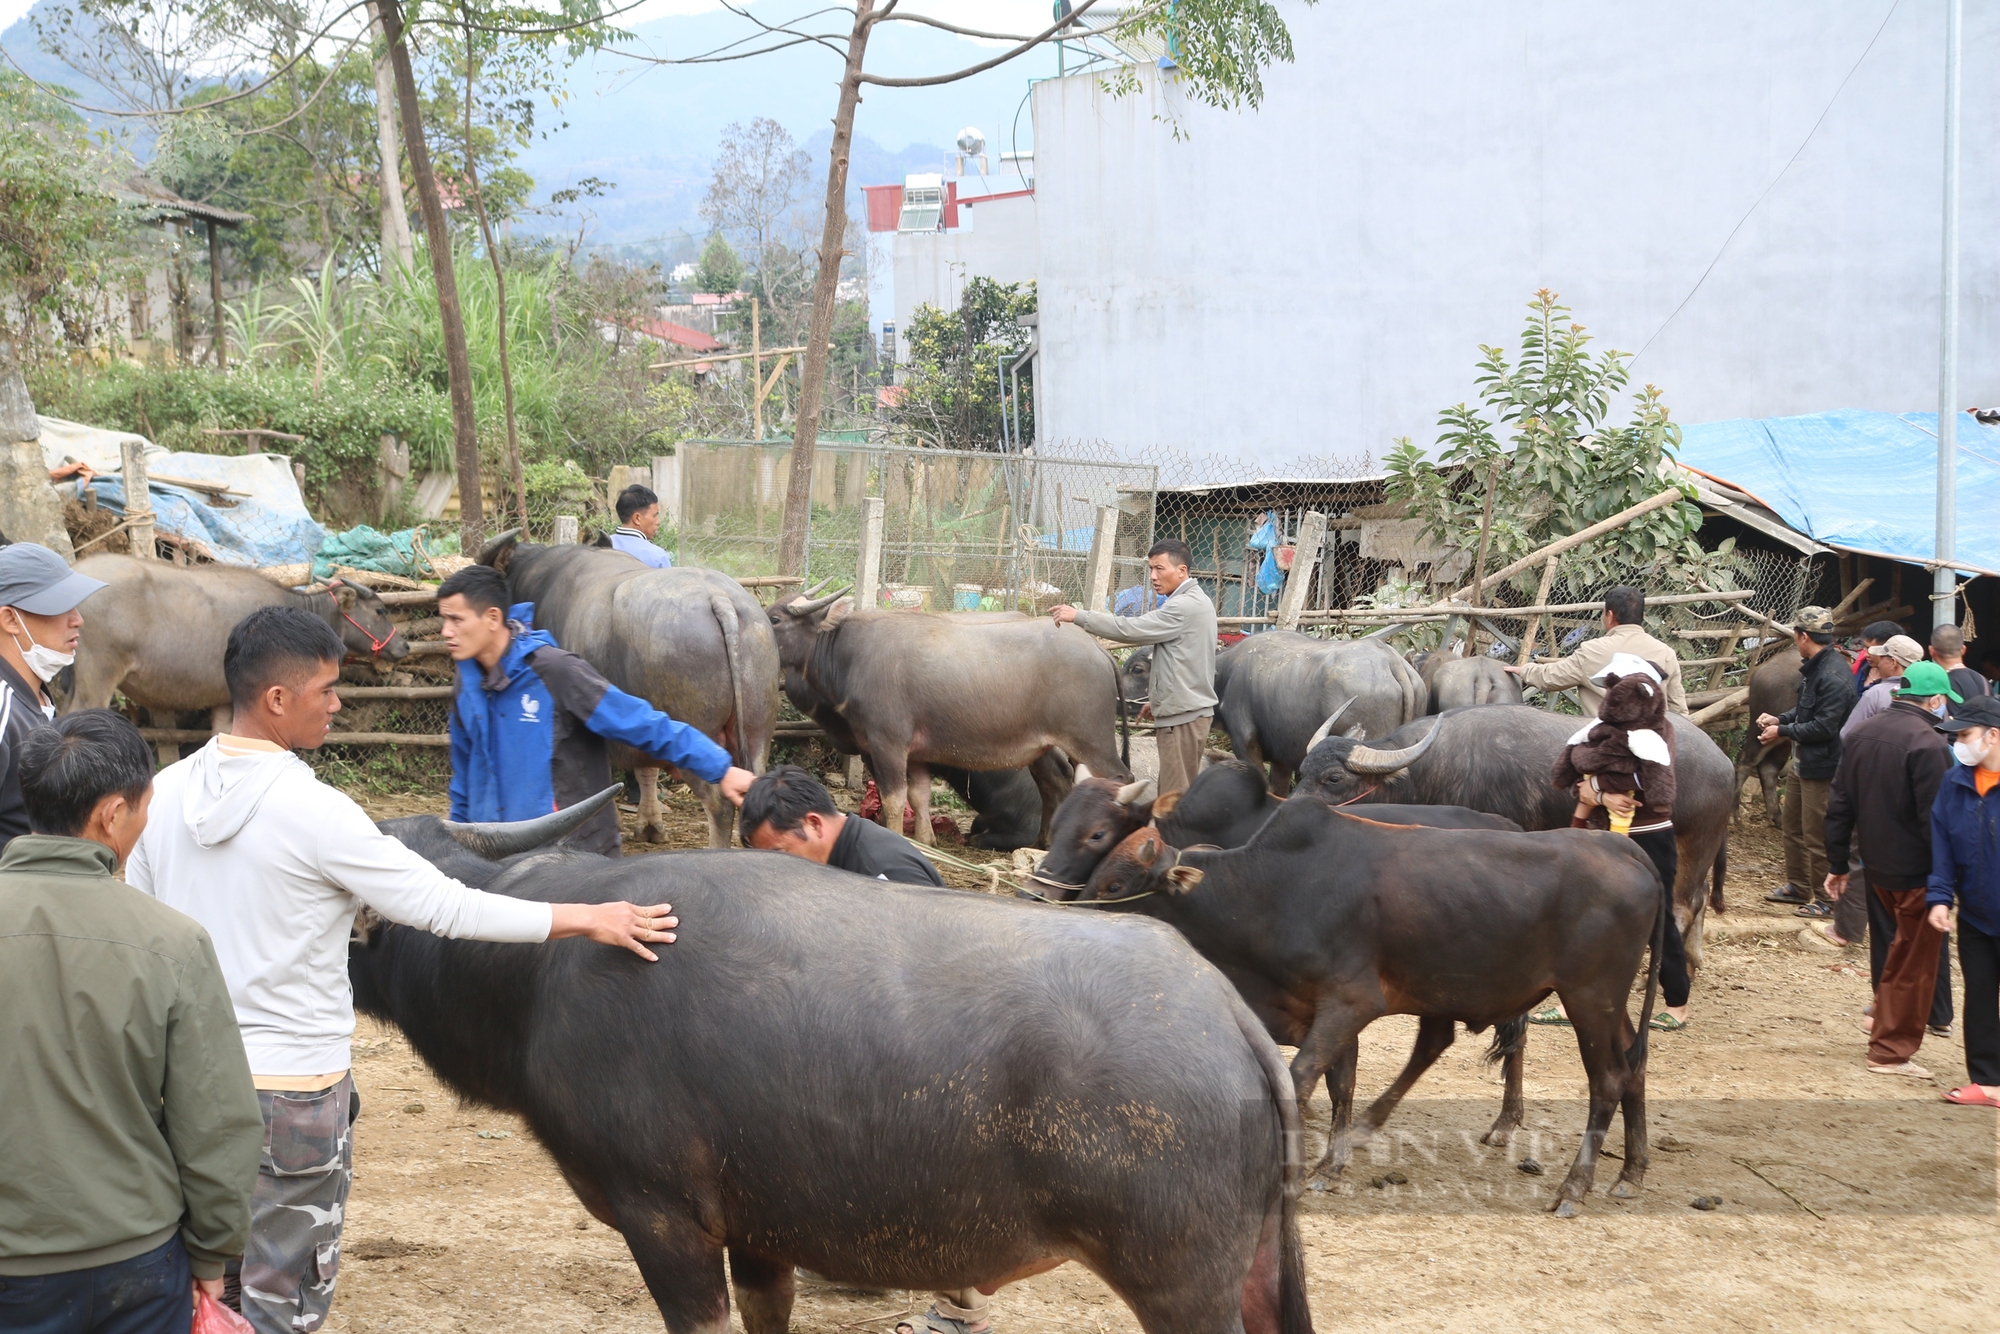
point(1747, 196)
point(985, 228)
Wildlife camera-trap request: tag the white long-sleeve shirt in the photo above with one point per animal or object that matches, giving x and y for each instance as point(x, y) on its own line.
point(274, 863)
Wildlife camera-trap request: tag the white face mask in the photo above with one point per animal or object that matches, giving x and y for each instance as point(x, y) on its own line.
point(43, 662)
point(1970, 753)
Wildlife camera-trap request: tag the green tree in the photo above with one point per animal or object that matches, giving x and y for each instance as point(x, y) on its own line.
point(951, 390)
point(1559, 467)
point(719, 270)
point(64, 239)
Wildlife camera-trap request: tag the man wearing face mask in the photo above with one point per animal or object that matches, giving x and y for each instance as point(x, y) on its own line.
point(1890, 772)
point(1965, 869)
point(39, 625)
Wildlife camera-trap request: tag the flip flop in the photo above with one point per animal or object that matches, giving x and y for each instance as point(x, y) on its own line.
point(1550, 1015)
point(1787, 894)
point(1814, 910)
point(944, 1324)
point(1666, 1023)
point(1970, 1096)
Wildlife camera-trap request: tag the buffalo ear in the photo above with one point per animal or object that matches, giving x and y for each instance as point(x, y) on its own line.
point(1164, 806)
point(1358, 732)
point(1183, 878)
point(344, 594)
point(837, 613)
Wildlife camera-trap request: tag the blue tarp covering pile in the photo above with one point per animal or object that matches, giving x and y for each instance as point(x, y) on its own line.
point(1859, 479)
point(267, 526)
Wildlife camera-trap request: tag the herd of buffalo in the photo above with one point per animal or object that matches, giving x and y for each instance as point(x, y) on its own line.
point(932, 1089)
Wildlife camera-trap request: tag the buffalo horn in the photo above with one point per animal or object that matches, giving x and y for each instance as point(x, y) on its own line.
point(805, 607)
point(1132, 793)
point(1326, 728)
point(496, 544)
point(1368, 761)
point(496, 839)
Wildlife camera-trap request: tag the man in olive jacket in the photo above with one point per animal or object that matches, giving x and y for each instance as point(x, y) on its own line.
point(1826, 697)
point(129, 1131)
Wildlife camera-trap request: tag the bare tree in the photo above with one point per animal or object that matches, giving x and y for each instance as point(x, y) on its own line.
point(760, 176)
point(1220, 49)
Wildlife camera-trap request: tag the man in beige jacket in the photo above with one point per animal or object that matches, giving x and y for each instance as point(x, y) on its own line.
point(1624, 632)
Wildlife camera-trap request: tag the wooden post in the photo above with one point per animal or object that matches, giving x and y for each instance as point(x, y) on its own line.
point(1725, 657)
point(868, 579)
point(1305, 559)
point(667, 486)
point(566, 530)
point(1574, 540)
point(221, 335)
point(1534, 629)
point(756, 371)
point(1103, 546)
point(138, 500)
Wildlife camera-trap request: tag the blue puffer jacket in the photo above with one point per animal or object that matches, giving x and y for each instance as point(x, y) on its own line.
point(528, 737)
point(1965, 851)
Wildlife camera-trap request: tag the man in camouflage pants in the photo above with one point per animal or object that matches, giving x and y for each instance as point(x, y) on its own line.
point(287, 1275)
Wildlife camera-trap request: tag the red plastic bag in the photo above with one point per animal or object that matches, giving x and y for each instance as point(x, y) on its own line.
point(212, 1317)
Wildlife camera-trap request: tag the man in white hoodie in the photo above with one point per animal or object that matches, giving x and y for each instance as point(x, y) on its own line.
point(274, 863)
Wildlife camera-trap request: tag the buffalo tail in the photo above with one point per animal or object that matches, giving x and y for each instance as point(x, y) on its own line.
point(1507, 1039)
point(1294, 1315)
point(1716, 875)
point(732, 648)
point(1118, 707)
point(1635, 1055)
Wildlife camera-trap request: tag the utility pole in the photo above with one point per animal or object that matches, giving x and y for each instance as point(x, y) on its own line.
point(1944, 587)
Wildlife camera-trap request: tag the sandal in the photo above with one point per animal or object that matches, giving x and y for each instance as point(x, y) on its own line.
point(944, 1324)
point(1788, 894)
point(1666, 1023)
point(1970, 1096)
point(1814, 910)
point(1550, 1015)
point(1907, 1069)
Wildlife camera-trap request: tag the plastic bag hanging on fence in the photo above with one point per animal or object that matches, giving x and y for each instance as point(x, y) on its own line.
point(1270, 578)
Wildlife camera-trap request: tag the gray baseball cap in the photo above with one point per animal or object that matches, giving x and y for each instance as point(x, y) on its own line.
point(39, 582)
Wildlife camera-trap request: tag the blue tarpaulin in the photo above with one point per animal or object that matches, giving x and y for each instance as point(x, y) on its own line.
point(264, 523)
point(1859, 479)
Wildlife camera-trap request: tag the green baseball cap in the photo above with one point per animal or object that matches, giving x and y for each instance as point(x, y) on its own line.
point(1921, 679)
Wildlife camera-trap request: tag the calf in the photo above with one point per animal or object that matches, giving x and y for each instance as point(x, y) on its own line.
point(1327, 921)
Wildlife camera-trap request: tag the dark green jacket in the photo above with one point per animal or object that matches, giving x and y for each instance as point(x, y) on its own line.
point(126, 1108)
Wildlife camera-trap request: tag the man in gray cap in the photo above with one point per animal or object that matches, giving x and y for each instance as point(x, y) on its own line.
point(39, 625)
point(1826, 697)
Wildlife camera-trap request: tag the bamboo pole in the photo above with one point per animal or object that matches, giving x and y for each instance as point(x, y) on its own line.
point(1728, 703)
point(1574, 540)
point(1534, 630)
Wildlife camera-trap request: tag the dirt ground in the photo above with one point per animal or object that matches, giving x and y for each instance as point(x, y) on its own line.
point(1848, 1201)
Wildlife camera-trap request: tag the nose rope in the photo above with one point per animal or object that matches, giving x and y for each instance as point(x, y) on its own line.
point(374, 645)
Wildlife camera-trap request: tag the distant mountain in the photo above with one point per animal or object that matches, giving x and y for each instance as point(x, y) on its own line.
point(652, 129)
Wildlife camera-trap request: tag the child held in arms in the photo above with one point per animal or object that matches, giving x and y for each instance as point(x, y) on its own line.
point(1625, 759)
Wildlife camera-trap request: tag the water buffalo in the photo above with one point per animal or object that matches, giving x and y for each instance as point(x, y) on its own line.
point(691, 642)
point(1007, 803)
point(912, 689)
point(1498, 757)
point(1135, 680)
point(1327, 921)
point(1277, 689)
point(157, 632)
point(955, 1135)
point(1774, 688)
point(1460, 683)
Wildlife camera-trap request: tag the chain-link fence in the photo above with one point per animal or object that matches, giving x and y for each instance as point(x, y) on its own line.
point(962, 530)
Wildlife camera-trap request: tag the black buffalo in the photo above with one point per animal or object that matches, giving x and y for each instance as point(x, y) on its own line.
point(1135, 680)
point(1460, 683)
point(1498, 758)
point(1279, 692)
point(973, 691)
point(1774, 689)
point(691, 642)
point(1327, 920)
point(806, 1080)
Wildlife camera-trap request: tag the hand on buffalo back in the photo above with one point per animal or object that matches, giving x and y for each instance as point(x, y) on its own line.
point(626, 925)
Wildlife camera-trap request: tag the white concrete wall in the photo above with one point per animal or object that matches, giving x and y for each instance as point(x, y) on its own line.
point(1315, 278)
point(996, 239)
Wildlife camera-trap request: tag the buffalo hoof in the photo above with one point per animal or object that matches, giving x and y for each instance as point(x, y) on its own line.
point(1624, 1190)
point(653, 833)
point(1564, 1209)
point(1499, 1137)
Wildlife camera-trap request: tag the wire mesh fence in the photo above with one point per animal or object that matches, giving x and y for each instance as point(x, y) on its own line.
point(962, 530)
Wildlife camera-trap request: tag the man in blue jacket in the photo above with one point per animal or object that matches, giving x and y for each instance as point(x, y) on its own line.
point(530, 720)
point(1965, 867)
